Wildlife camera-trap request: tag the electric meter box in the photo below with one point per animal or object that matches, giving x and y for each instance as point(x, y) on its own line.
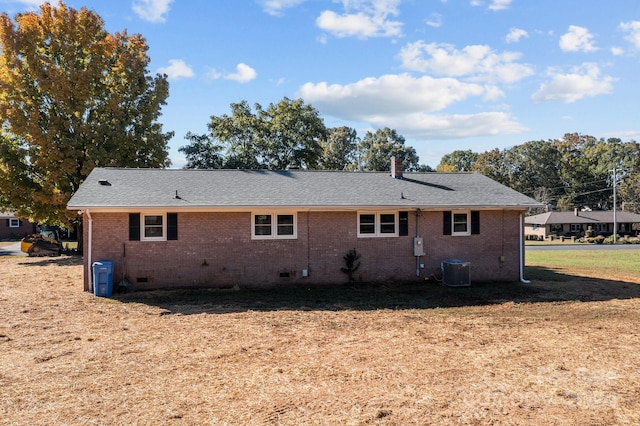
point(418, 246)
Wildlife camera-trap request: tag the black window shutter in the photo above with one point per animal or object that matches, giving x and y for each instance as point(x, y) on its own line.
point(134, 226)
point(172, 226)
point(8, 222)
point(446, 220)
point(403, 225)
point(475, 222)
point(19, 222)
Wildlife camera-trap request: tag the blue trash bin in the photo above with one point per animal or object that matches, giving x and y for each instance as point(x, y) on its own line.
point(103, 278)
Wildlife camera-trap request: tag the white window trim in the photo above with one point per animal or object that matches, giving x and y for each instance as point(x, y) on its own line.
point(274, 226)
point(14, 223)
point(377, 233)
point(164, 226)
point(453, 223)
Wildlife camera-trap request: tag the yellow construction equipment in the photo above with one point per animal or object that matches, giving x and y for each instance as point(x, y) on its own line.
point(46, 243)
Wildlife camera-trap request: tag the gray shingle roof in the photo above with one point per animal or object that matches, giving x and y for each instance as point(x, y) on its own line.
point(582, 217)
point(157, 188)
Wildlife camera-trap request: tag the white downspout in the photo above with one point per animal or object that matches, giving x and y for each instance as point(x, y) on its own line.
point(418, 214)
point(522, 280)
point(89, 240)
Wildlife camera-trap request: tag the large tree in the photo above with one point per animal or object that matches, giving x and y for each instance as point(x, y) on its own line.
point(72, 97)
point(290, 134)
point(240, 134)
point(458, 161)
point(377, 148)
point(492, 164)
point(629, 193)
point(339, 149)
point(284, 135)
point(202, 152)
point(534, 169)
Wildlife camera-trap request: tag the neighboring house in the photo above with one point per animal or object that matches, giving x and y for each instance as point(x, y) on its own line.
point(575, 223)
point(13, 227)
point(167, 228)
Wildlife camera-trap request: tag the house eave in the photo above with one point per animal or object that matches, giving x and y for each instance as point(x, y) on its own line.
point(304, 207)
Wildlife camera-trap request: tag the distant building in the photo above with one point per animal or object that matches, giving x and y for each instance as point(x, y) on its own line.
point(576, 223)
point(13, 227)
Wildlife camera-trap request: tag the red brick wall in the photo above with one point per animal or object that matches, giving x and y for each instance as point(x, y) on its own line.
point(8, 233)
point(494, 253)
point(216, 249)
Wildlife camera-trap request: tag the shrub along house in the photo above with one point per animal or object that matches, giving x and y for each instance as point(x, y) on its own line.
point(167, 228)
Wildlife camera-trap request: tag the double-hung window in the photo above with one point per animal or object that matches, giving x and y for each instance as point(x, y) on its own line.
point(461, 222)
point(273, 226)
point(377, 224)
point(153, 226)
point(14, 223)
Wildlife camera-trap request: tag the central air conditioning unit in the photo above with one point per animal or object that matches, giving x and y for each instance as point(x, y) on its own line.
point(456, 272)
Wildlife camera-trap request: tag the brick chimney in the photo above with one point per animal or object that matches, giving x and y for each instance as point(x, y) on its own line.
point(396, 167)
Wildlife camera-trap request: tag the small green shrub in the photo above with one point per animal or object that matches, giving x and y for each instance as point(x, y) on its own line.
point(610, 239)
point(352, 263)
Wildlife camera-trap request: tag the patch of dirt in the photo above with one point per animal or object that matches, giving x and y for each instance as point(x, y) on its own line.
point(563, 351)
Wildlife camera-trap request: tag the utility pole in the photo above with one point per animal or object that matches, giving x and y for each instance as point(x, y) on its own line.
point(615, 222)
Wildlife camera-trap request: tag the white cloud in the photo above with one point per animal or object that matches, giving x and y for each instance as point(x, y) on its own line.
point(408, 104)
point(617, 51)
point(177, 69)
point(275, 7)
point(435, 20)
point(577, 39)
point(33, 3)
point(478, 62)
point(583, 81)
point(499, 4)
point(213, 74)
point(152, 10)
point(494, 5)
point(633, 30)
point(454, 126)
point(492, 93)
point(362, 19)
point(515, 34)
point(244, 73)
point(393, 94)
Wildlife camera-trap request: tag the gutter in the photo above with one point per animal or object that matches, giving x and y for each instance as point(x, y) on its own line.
point(522, 280)
point(89, 240)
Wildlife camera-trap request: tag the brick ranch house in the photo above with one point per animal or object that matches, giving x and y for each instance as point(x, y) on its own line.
point(575, 223)
point(13, 227)
point(167, 228)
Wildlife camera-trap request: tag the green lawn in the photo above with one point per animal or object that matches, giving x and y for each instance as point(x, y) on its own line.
point(596, 263)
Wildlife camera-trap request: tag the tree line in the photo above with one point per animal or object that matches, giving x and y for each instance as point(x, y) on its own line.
point(573, 172)
point(291, 134)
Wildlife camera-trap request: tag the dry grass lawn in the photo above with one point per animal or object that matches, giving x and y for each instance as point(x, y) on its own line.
point(563, 351)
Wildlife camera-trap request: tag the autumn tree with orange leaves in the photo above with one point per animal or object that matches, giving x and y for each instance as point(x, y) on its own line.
point(72, 97)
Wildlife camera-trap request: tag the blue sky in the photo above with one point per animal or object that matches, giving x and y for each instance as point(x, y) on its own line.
point(446, 74)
